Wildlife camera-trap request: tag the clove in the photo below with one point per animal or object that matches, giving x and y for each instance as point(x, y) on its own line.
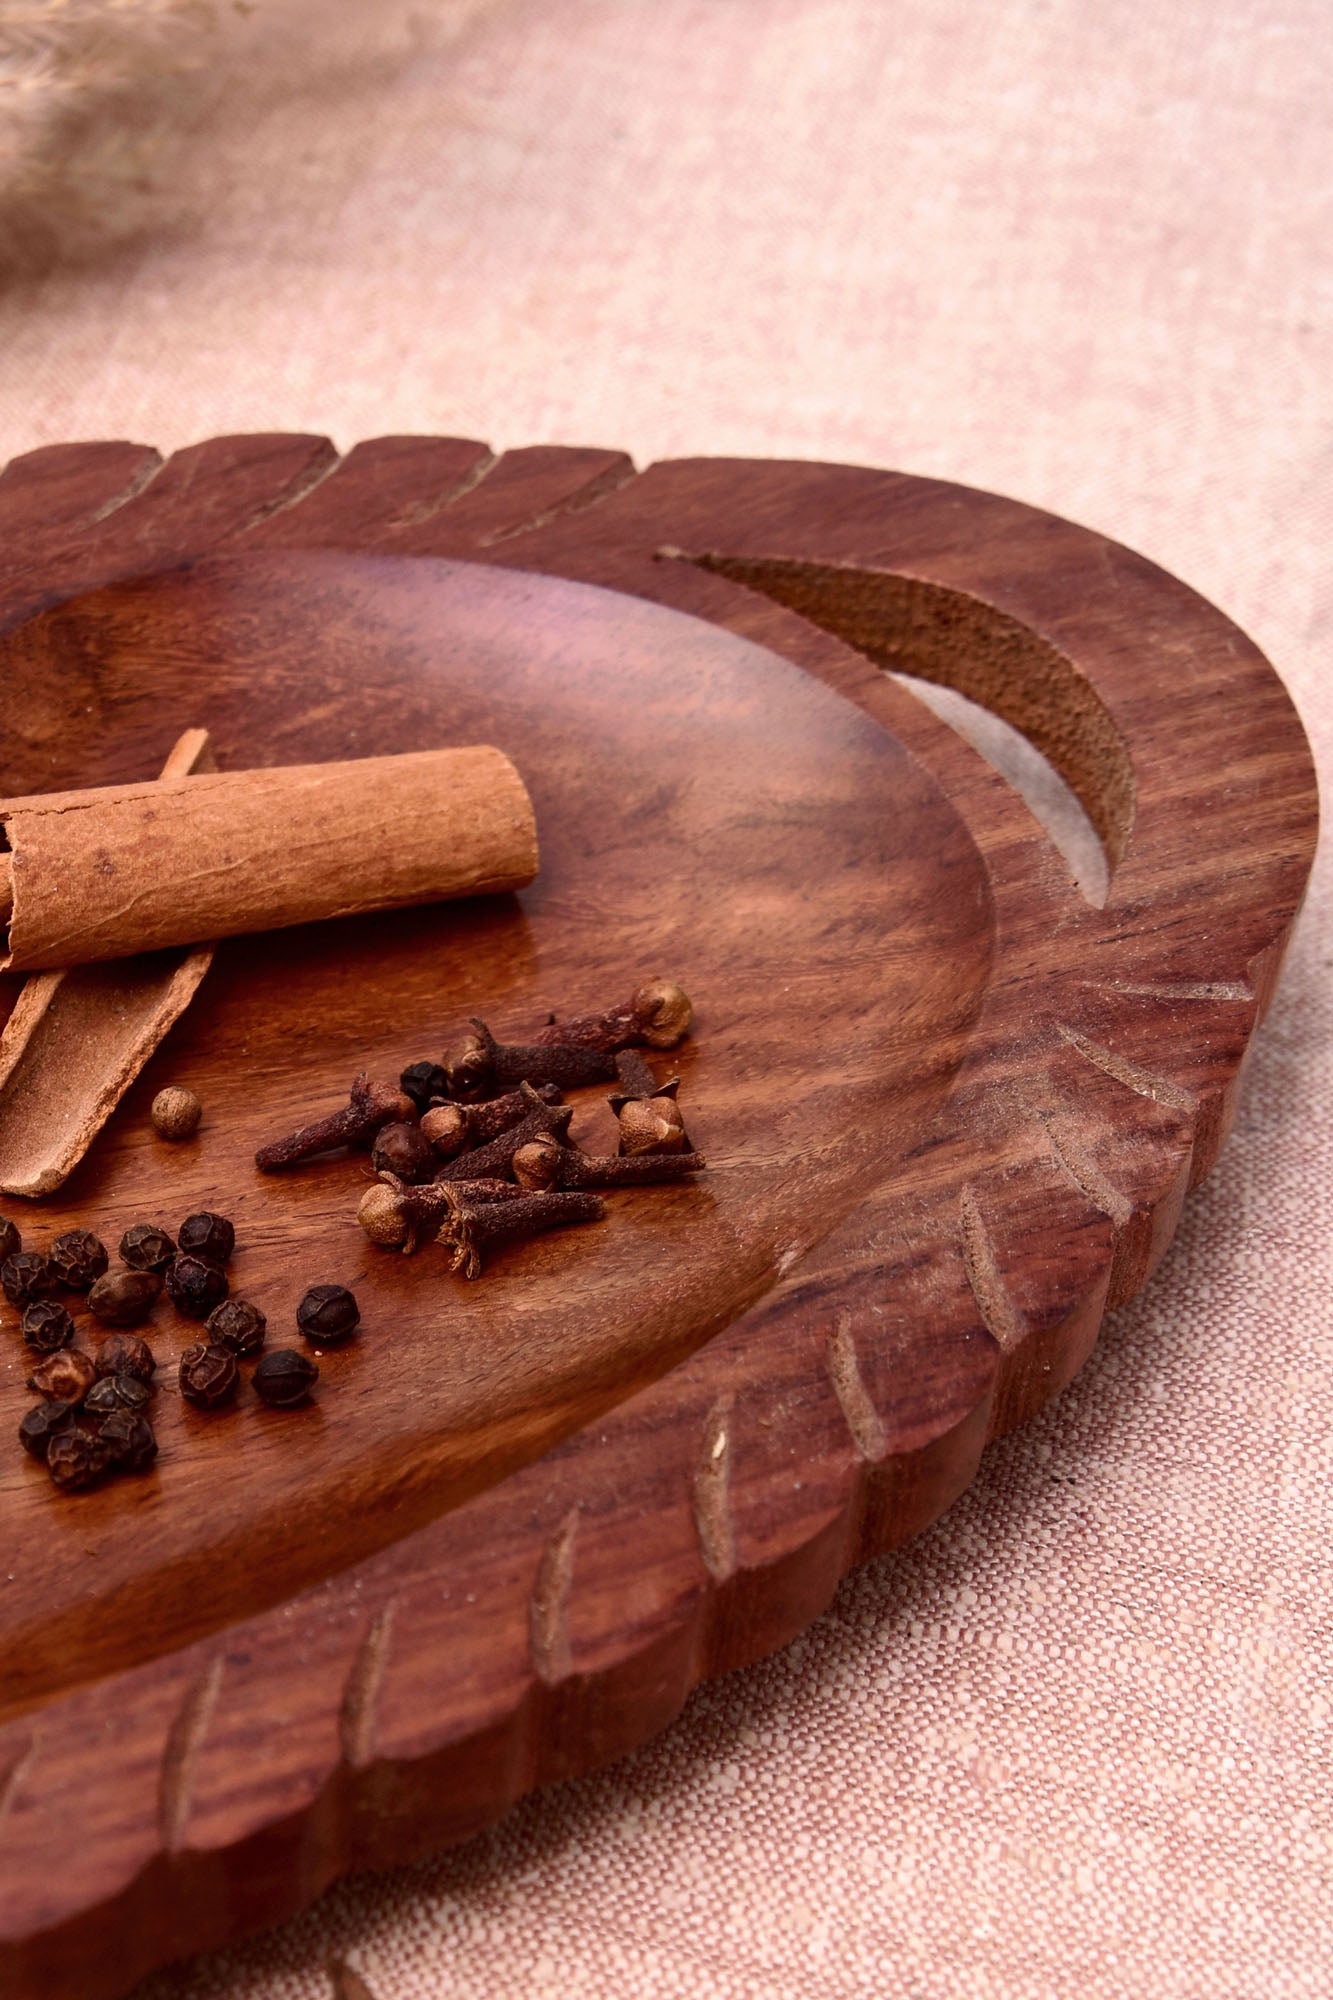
point(451, 1128)
point(479, 1066)
point(658, 1013)
point(487, 1121)
point(545, 1163)
point(649, 1117)
point(369, 1106)
point(490, 1189)
point(484, 1161)
point(445, 1127)
point(474, 1229)
point(394, 1214)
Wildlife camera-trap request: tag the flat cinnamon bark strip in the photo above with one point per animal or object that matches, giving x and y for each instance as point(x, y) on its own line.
point(76, 1040)
point(132, 868)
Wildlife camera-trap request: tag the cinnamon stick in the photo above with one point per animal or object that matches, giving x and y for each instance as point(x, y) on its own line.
point(133, 868)
point(76, 1040)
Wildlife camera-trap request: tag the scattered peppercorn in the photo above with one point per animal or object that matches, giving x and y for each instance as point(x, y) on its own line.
point(206, 1235)
point(10, 1240)
point(117, 1392)
point(65, 1377)
point(78, 1259)
point(238, 1325)
point(145, 1247)
point(285, 1377)
point(123, 1298)
point(195, 1286)
point(208, 1375)
point(328, 1314)
point(176, 1112)
point(422, 1082)
point(126, 1354)
point(403, 1150)
point(77, 1458)
point(26, 1276)
point(129, 1441)
point(47, 1326)
point(39, 1426)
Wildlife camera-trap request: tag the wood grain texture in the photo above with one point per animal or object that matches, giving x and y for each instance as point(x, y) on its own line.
point(953, 1111)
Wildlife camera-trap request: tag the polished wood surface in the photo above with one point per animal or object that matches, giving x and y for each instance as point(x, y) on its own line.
point(951, 1110)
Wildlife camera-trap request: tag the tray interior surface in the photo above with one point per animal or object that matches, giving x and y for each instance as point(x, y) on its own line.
point(705, 810)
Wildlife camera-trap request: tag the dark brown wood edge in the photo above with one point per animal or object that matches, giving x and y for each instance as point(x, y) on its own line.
point(505, 1644)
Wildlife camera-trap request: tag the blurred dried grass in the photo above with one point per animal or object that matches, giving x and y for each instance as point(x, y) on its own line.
point(89, 91)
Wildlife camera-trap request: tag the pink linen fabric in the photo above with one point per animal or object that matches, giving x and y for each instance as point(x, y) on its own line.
point(1075, 1741)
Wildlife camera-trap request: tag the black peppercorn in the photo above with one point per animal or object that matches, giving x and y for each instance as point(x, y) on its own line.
point(123, 1298)
point(78, 1259)
point(39, 1426)
point(145, 1247)
point(403, 1150)
point(285, 1377)
point(422, 1081)
point(117, 1392)
point(195, 1286)
point(65, 1377)
point(207, 1235)
point(77, 1458)
point(10, 1240)
point(126, 1354)
point(208, 1375)
point(26, 1276)
point(129, 1441)
point(238, 1325)
point(327, 1314)
point(46, 1326)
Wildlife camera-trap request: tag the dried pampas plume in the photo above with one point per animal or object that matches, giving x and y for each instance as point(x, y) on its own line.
point(87, 92)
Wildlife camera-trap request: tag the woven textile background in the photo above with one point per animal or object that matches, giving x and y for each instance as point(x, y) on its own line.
point(1075, 1741)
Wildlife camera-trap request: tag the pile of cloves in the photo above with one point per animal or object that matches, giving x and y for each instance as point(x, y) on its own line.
point(93, 1421)
point(474, 1150)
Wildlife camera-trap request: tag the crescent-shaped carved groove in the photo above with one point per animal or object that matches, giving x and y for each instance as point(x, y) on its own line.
point(909, 625)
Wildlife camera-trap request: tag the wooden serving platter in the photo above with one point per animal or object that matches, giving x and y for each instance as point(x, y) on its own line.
point(951, 1110)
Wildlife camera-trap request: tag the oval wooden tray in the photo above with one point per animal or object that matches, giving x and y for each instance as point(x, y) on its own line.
point(951, 1108)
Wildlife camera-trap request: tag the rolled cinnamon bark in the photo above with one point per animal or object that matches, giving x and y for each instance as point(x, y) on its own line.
point(131, 868)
